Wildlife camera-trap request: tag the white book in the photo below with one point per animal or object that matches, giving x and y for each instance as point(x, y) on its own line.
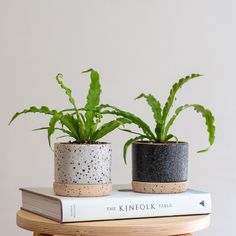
point(123, 203)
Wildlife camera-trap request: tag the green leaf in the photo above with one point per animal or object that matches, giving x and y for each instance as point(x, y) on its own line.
point(38, 129)
point(66, 89)
point(93, 100)
point(128, 143)
point(172, 119)
point(69, 94)
point(69, 134)
point(155, 106)
point(63, 136)
point(109, 127)
point(136, 120)
point(82, 117)
point(60, 129)
point(173, 92)
point(170, 136)
point(86, 71)
point(43, 109)
point(130, 131)
point(98, 118)
point(66, 132)
point(72, 125)
point(52, 124)
point(209, 120)
point(156, 109)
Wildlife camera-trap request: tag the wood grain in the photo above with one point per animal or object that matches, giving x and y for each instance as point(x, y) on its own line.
point(136, 227)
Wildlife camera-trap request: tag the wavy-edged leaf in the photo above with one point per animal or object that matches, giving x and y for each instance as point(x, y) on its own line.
point(173, 92)
point(69, 94)
point(206, 113)
point(93, 100)
point(209, 120)
point(135, 119)
point(172, 119)
point(156, 109)
point(128, 143)
point(109, 127)
point(66, 89)
point(155, 106)
point(43, 109)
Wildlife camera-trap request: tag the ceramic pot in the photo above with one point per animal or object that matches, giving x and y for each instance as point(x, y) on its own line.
point(160, 167)
point(82, 169)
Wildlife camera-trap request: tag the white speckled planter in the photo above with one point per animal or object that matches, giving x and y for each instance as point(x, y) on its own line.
point(82, 169)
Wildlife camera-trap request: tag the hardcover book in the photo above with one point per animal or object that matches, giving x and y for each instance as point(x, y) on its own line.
point(122, 204)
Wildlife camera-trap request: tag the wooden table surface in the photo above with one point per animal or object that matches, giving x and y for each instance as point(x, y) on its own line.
point(133, 227)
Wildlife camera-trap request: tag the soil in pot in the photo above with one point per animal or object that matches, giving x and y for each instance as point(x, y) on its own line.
point(160, 167)
point(82, 169)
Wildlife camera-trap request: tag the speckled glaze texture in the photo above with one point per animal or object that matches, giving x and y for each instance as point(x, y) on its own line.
point(160, 162)
point(82, 163)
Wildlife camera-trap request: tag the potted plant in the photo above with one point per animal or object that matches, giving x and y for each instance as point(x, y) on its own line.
point(160, 165)
point(83, 166)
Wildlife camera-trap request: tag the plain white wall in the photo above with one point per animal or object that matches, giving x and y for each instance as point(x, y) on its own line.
point(137, 46)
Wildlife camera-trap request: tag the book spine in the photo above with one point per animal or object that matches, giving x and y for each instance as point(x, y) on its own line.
point(139, 207)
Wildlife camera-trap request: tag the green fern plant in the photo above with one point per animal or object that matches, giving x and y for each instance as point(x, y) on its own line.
point(79, 124)
point(161, 116)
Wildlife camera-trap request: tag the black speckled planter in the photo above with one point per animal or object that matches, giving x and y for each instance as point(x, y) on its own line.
point(160, 167)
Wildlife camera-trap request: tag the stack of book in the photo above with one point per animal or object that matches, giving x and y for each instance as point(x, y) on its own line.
point(122, 204)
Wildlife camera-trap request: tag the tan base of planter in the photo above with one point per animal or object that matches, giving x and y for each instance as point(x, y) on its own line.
point(147, 187)
point(82, 190)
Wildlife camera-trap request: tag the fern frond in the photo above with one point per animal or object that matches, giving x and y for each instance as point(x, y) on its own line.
point(69, 134)
point(170, 136)
point(51, 128)
point(206, 113)
point(43, 110)
point(93, 100)
point(72, 125)
point(108, 127)
point(130, 131)
point(136, 120)
point(173, 92)
point(68, 92)
point(156, 109)
point(128, 143)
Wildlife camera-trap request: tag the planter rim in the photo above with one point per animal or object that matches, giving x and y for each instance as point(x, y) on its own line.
point(160, 144)
point(82, 144)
